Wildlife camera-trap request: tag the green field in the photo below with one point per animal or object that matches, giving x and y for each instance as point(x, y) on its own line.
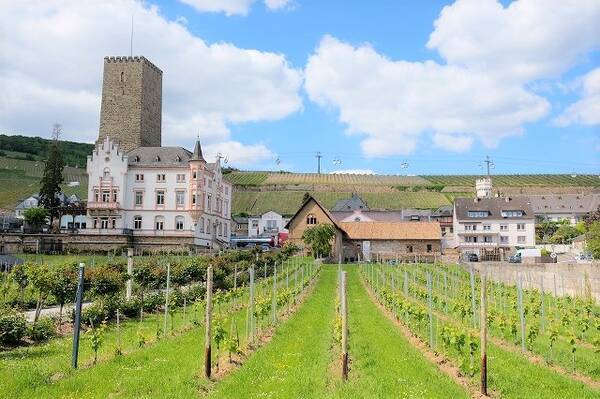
point(288, 202)
point(520, 180)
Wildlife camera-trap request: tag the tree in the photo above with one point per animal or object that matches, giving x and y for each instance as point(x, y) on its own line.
point(40, 278)
point(52, 178)
point(35, 217)
point(19, 276)
point(593, 239)
point(318, 238)
point(64, 286)
point(564, 234)
point(593, 217)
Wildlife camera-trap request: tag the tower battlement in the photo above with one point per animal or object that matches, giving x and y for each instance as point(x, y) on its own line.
point(135, 58)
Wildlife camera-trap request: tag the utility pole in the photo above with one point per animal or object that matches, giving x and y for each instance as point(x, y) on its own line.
point(319, 156)
point(489, 164)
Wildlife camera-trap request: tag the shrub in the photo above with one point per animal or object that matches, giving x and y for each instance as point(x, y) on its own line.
point(43, 330)
point(545, 252)
point(13, 326)
point(95, 313)
point(130, 308)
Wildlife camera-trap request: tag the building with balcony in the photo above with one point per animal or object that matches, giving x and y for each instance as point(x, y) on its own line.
point(493, 227)
point(155, 192)
point(269, 224)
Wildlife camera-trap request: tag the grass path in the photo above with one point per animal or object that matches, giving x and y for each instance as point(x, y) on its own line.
point(297, 362)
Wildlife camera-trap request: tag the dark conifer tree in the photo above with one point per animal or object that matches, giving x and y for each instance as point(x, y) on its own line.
point(52, 178)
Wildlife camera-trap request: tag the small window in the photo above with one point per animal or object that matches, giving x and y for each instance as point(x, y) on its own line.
point(180, 198)
point(137, 222)
point(504, 239)
point(139, 178)
point(521, 226)
point(521, 239)
point(311, 219)
point(429, 247)
point(487, 227)
point(409, 249)
point(503, 227)
point(180, 178)
point(160, 198)
point(161, 178)
point(159, 223)
point(139, 198)
point(106, 173)
point(178, 222)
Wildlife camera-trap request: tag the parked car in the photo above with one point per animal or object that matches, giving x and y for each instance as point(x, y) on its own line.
point(472, 258)
point(250, 245)
point(516, 258)
point(265, 247)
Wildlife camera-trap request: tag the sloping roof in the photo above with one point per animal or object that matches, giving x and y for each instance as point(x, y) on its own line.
point(564, 203)
point(240, 219)
point(325, 211)
point(494, 206)
point(445, 210)
point(376, 216)
point(392, 230)
point(167, 156)
point(353, 203)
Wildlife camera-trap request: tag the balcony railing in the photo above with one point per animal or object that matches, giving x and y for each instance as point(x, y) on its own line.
point(103, 205)
point(478, 244)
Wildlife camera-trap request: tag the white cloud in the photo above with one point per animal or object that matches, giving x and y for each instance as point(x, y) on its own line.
point(494, 56)
point(51, 70)
point(236, 7)
point(587, 110)
point(527, 40)
point(238, 153)
point(279, 4)
point(353, 172)
point(229, 7)
point(394, 102)
point(452, 143)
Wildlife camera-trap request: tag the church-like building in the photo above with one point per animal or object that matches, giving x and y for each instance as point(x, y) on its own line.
point(162, 196)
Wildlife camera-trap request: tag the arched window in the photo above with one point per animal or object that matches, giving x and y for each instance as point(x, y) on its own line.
point(106, 173)
point(137, 222)
point(159, 223)
point(179, 223)
point(311, 219)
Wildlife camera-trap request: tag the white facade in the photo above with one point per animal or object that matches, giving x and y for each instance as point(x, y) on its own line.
point(158, 191)
point(268, 224)
point(31, 202)
point(483, 187)
point(492, 224)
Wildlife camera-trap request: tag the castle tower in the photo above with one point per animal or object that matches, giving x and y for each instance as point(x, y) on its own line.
point(131, 102)
point(483, 187)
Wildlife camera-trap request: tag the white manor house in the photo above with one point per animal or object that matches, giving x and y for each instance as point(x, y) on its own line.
point(139, 192)
point(158, 191)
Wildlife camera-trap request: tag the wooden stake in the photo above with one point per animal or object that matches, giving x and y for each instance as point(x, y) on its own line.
point(344, 310)
point(129, 273)
point(167, 296)
point(208, 333)
point(483, 325)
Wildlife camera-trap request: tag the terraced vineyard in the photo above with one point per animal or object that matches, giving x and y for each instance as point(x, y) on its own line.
point(520, 180)
point(288, 202)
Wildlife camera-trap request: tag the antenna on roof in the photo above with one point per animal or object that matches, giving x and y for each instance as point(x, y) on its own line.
point(489, 164)
point(131, 38)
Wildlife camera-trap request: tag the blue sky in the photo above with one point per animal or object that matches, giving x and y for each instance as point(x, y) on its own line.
point(383, 105)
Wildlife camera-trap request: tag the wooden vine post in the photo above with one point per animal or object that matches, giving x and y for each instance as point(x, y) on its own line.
point(430, 308)
point(344, 311)
point(473, 309)
point(521, 311)
point(129, 273)
point(208, 333)
point(483, 325)
point(542, 315)
point(274, 295)
point(167, 296)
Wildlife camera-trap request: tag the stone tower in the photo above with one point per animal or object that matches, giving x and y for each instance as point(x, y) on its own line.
point(131, 102)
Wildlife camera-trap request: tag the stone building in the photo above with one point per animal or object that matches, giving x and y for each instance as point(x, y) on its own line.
point(131, 105)
point(369, 239)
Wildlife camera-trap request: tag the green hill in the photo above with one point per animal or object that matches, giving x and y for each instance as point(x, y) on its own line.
point(36, 149)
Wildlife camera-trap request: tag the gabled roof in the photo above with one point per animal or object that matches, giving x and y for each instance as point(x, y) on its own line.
point(494, 206)
point(304, 204)
point(392, 230)
point(353, 203)
point(564, 203)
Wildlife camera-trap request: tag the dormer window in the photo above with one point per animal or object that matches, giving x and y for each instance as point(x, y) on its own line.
point(177, 158)
point(136, 158)
point(512, 214)
point(478, 214)
point(157, 159)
